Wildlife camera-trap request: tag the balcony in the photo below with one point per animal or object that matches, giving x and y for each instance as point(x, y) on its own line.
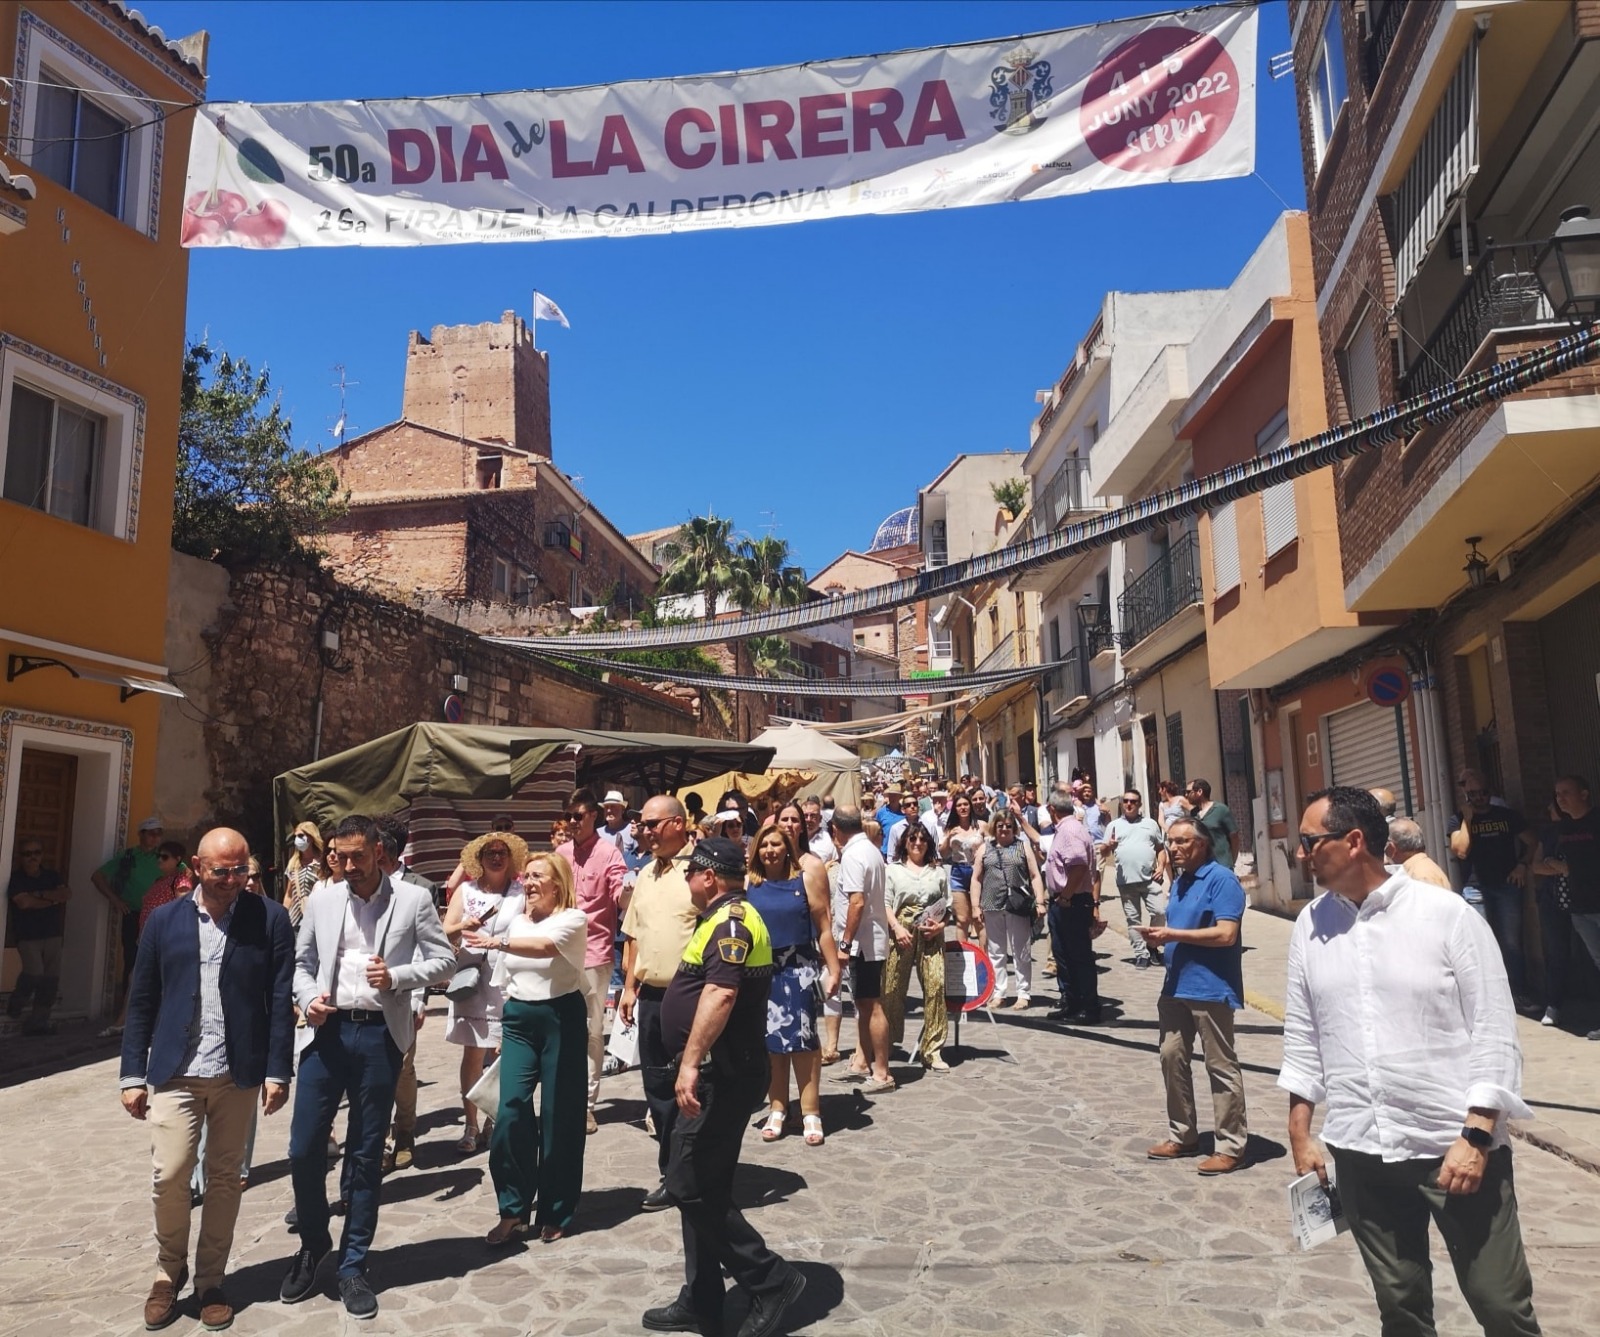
point(1503, 293)
point(1160, 610)
point(1066, 494)
point(1383, 25)
point(1065, 685)
point(1003, 656)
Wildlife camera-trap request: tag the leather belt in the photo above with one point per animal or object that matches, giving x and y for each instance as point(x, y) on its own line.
point(361, 1015)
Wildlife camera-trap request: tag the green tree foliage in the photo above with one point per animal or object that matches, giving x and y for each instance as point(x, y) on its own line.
point(770, 656)
point(243, 491)
point(1011, 494)
point(764, 578)
point(704, 562)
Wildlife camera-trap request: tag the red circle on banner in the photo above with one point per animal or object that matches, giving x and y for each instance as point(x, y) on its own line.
point(984, 973)
point(1160, 100)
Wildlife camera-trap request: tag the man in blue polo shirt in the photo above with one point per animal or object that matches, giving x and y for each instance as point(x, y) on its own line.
point(1203, 988)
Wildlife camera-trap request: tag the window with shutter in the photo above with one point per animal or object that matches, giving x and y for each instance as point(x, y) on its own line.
point(1358, 366)
point(1278, 520)
point(1224, 550)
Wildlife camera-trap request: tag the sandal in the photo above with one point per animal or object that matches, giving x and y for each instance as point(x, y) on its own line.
point(469, 1141)
point(812, 1123)
point(772, 1130)
point(829, 1057)
point(509, 1229)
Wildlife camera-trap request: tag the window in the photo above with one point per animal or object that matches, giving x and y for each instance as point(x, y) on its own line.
point(502, 578)
point(1329, 89)
point(79, 144)
point(1279, 524)
point(1091, 432)
point(83, 126)
point(1224, 550)
point(1358, 363)
point(70, 441)
point(489, 471)
point(53, 456)
point(1055, 639)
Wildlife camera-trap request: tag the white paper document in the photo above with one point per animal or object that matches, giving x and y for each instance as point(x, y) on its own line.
point(1315, 1213)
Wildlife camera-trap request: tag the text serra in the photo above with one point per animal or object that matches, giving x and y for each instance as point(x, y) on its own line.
point(818, 126)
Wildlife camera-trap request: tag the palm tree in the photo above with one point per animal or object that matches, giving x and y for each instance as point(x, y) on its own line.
point(705, 562)
point(770, 656)
point(764, 578)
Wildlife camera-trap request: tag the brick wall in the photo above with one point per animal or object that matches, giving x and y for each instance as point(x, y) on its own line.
point(393, 667)
point(483, 381)
point(408, 457)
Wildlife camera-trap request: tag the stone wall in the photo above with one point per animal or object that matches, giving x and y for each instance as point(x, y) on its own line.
point(248, 654)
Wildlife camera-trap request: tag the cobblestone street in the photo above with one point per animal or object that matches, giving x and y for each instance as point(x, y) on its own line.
point(1010, 1196)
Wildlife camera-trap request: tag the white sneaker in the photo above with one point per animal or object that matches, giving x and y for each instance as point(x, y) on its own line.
point(1552, 1017)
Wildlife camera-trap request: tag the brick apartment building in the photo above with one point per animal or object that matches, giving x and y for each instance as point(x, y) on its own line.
point(461, 497)
point(1442, 143)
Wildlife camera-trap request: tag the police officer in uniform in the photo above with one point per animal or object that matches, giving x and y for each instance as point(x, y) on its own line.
point(714, 1018)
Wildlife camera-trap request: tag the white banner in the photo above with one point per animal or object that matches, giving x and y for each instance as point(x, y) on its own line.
point(1152, 99)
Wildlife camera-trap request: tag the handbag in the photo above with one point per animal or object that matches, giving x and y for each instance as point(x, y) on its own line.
point(485, 1092)
point(1019, 901)
point(464, 983)
point(1562, 891)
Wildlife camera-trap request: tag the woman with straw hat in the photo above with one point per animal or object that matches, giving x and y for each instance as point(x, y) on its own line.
point(487, 902)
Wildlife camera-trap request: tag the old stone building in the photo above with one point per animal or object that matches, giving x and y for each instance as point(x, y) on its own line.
point(461, 497)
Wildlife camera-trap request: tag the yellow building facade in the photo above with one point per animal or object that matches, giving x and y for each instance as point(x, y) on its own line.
point(93, 285)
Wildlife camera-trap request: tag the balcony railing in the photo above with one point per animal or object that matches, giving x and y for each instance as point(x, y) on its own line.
point(1067, 681)
point(1066, 492)
point(1164, 590)
point(1384, 17)
point(1503, 292)
point(1003, 656)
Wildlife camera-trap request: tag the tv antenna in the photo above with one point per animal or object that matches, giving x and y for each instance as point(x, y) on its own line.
point(337, 431)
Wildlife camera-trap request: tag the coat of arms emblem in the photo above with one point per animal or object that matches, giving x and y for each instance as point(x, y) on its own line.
point(1018, 84)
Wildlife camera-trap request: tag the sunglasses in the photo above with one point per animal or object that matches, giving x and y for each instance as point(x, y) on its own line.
point(1309, 843)
point(33, 854)
point(650, 823)
point(577, 816)
point(229, 870)
point(497, 854)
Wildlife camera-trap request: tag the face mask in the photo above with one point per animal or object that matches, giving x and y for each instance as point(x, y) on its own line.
point(302, 843)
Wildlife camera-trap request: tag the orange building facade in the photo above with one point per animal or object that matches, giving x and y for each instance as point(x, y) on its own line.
point(93, 287)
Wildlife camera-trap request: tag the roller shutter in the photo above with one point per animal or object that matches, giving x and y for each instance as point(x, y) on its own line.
point(1364, 749)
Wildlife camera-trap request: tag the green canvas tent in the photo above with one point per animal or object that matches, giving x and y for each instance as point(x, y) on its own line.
point(462, 762)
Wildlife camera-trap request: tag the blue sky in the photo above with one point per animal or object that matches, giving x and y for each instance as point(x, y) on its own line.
point(807, 378)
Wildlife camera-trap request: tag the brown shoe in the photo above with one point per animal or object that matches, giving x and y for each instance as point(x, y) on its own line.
point(215, 1311)
point(161, 1305)
point(1170, 1151)
point(591, 1124)
point(1220, 1165)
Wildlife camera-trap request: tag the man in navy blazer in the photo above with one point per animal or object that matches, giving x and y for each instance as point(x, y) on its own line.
point(210, 1025)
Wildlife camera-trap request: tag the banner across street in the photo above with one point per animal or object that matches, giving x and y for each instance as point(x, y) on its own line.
point(1159, 98)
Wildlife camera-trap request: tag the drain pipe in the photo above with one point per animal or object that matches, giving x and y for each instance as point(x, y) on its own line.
point(1435, 760)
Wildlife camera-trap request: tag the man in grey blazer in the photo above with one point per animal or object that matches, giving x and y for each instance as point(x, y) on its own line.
point(365, 944)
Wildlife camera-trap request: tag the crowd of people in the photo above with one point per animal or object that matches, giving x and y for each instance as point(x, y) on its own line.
point(727, 946)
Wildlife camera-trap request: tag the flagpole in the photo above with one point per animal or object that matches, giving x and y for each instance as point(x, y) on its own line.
point(533, 325)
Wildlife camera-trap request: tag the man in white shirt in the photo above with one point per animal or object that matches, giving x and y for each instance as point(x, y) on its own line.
point(1399, 1017)
point(818, 841)
point(866, 927)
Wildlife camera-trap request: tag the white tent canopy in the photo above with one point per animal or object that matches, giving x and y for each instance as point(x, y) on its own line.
point(801, 749)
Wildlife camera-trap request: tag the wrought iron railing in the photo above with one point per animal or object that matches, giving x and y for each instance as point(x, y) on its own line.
point(1066, 492)
point(1384, 17)
point(1164, 590)
point(1003, 656)
point(1067, 681)
point(1503, 292)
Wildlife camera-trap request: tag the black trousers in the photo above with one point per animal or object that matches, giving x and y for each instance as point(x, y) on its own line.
point(1072, 945)
point(704, 1154)
point(657, 1070)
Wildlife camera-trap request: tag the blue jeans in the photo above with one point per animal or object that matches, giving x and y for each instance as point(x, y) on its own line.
point(1504, 911)
point(358, 1060)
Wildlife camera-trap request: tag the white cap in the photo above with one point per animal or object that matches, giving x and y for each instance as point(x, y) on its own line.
point(726, 815)
point(614, 796)
point(150, 824)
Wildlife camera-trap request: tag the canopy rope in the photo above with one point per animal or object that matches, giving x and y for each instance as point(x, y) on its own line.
point(1188, 499)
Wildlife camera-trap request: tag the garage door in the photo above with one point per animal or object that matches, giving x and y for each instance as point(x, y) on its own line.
point(1364, 749)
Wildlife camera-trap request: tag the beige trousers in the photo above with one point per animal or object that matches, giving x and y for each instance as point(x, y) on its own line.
point(1181, 1020)
point(176, 1115)
point(596, 980)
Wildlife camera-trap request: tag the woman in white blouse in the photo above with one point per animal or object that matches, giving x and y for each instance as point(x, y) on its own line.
point(536, 1159)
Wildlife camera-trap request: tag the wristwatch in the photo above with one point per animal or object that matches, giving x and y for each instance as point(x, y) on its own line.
point(1481, 1138)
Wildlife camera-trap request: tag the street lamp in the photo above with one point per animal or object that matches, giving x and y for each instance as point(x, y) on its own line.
point(1090, 624)
point(1569, 266)
point(1477, 567)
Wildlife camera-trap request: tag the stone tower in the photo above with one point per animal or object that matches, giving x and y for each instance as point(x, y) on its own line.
point(482, 381)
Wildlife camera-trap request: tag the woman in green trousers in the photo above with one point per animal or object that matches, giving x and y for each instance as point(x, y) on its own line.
point(536, 1159)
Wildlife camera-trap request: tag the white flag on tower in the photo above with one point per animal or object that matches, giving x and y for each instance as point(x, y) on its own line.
point(545, 309)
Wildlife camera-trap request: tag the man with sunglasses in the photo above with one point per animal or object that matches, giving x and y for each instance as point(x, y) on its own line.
point(598, 870)
point(38, 898)
point(1398, 1016)
point(210, 1031)
point(1134, 841)
point(661, 917)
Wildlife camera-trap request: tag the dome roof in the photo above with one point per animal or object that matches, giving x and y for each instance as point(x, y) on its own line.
point(898, 528)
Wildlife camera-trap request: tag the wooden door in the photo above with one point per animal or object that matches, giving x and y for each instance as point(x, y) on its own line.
point(45, 793)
